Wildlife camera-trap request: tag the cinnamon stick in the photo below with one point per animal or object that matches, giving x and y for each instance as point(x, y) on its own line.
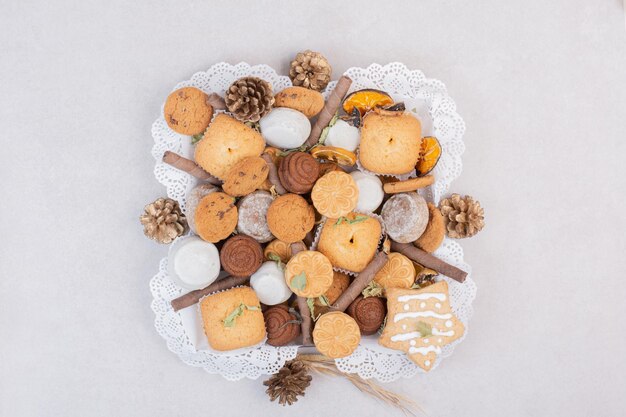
point(273, 175)
point(189, 167)
point(307, 322)
point(216, 101)
point(193, 297)
point(360, 282)
point(330, 108)
point(429, 261)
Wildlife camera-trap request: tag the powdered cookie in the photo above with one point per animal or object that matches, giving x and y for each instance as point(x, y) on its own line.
point(435, 231)
point(405, 216)
point(216, 217)
point(246, 176)
point(187, 111)
point(252, 219)
point(335, 194)
point(336, 335)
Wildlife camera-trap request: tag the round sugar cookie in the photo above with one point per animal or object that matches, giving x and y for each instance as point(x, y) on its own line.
point(335, 194)
point(309, 274)
point(336, 335)
point(398, 272)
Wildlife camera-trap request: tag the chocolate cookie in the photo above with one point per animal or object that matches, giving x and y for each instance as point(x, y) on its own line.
point(369, 313)
point(298, 172)
point(282, 326)
point(241, 256)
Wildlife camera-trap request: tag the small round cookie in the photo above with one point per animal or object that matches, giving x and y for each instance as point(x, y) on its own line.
point(298, 171)
point(411, 184)
point(241, 256)
point(309, 274)
point(369, 313)
point(390, 144)
point(252, 219)
point(306, 101)
point(435, 231)
point(398, 272)
point(226, 142)
point(281, 326)
point(335, 194)
point(187, 111)
point(290, 218)
point(246, 176)
point(277, 249)
point(285, 128)
point(216, 217)
point(371, 192)
point(269, 284)
point(350, 242)
point(340, 284)
point(192, 200)
point(336, 335)
point(405, 216)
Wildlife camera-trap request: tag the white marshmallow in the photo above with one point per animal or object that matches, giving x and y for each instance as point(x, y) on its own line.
point(343, 135)
point(193, 263)
point(371, 192)
point(269, 284)
point(285, 128)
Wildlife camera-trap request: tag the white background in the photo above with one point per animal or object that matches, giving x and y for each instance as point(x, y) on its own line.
point(540, 84)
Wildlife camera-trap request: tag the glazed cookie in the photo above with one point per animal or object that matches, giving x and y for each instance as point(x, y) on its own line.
point(435, 231)
point(269, 284)
point(420, 322)
point(390, 144)
point(290, 218)
point(371, 192)
point(405, 216)
point(282, 326)
point(278, 249)
point(309, 274)
point(246, 176)
point(369, 313)
point(285, 128)
point(252, 219)
point(226, 142)
point(192, 200)
point(304, 100)
point(336, 335)
point(298, 171)
point(241, 256)
point(187, 111)
point(351, 241)
point(398, 272)
point(233, 319)
point(216, 217)
point(335, 194)
point(411, 184)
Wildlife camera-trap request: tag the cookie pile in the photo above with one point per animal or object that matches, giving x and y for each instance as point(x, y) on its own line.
point(302, 211)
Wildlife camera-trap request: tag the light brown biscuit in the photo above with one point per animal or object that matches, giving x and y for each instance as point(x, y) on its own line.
point(187, 111)
point(335, 194)
point(351, 241)
point(216, 217)
point(278, 249)
point(390, 144)
point(226, 142)
point(309, 274)
point(405, 216)
point(246, 176)
point(336, 335)
point(398, 272)
point(435, 231)
point(290, 218)
point(341, 281)
point(302, 99)
point(233, 319)
point(411, 184)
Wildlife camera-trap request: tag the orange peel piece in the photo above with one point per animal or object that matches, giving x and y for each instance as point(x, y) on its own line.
point(365, 100)
point(334, 154)
point(430, 153)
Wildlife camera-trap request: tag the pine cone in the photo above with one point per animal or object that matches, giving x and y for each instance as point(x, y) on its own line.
point(463, 216)
point(163, 220)
point(310, 70)
point(249, 99)
point(288, 383)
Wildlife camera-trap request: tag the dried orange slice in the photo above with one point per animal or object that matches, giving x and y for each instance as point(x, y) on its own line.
point(365, 100)
point(334, 154)
point(430, 153)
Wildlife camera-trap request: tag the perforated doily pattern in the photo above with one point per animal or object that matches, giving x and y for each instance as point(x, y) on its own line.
point(370, 360)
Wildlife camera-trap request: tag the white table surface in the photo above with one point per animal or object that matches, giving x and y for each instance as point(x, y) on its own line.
point(541, 86)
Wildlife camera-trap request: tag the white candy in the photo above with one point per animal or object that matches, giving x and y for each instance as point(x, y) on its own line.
point(371, 192)
point(269, 284)
point(193, 263)
point(343, 135)
point(285, 128)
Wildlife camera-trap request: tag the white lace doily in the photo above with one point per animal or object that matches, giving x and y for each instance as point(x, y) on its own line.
point(429, 100)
